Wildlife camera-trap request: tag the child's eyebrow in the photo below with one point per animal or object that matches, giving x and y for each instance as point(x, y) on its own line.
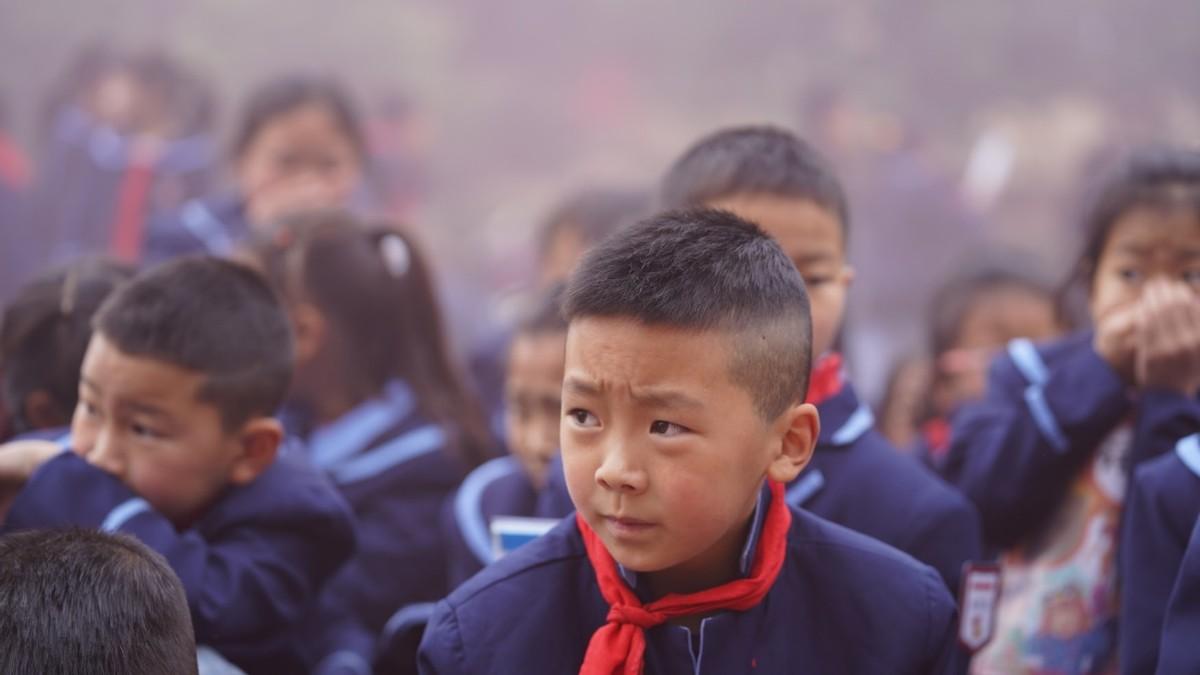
point(146, 409)
point(579, 386)
point(665, 398)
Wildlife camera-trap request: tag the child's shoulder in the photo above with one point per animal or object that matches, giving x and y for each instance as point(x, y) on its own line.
point(899, 481)
point(839, 556)
point(290, 492)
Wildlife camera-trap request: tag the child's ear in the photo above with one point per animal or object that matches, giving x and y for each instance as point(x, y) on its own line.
point(41, 412)
point(801, 425)
point(310, 331)
point(259, 442)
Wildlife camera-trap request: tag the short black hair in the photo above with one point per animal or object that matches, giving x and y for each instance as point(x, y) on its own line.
point(754, 160)
point(45, 331)
point(81, 601)
point(706, 269)
point(214, 317)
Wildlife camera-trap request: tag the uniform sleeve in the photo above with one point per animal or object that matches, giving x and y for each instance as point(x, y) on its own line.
point(1178, 653)
point(950, 537)
point(461, 562)
point(441, 651)
point(247, 585)
point(400, 561)
point(1162, 504)
point(945, 656)
point(1014, 453)
point(1164, 417)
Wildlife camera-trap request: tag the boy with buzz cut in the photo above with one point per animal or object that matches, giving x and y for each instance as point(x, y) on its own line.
point(687, 361)
point(174, 442)
point(80, 601)
point(856, 478)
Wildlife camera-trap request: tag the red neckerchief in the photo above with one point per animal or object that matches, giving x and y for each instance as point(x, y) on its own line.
point(937, 436)
point(619, 646)
point(827, 380)
point(132, 202)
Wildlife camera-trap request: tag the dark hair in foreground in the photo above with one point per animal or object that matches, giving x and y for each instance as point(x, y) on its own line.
point(214, 317)
point(707, 270)
point(80, 601)
point(754, 160)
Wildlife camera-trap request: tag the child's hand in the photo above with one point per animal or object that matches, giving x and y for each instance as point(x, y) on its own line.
point(1116, 339)
point(1168, 337)
point(292, 195)
point(18, 461)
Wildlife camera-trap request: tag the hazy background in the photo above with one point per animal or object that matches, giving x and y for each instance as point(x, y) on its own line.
point(955, 123)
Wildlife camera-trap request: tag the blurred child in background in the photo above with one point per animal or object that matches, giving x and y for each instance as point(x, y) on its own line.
point(43, 336)
point(298, 146)
point(386, 416)
point(973, 316)
point(1046, 454)
point(512, 485)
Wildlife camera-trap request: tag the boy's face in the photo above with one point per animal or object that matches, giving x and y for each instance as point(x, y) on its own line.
point(664, 455)
point(812, 237)
point(533, 397)
point(142, 421)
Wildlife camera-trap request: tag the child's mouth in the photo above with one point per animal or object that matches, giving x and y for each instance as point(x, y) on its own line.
point(627, 527)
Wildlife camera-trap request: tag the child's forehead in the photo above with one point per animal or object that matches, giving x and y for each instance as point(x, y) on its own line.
point(801, 225)
point(107, 367)
point(619, 349)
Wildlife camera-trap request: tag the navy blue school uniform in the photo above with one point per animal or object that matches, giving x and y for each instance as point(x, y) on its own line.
point(499, 487)
point(1047, 409)
point(80, 184)
point(843, 603)
point(1046, 456)
point(214, 226)
point(395, 469)
point(1178, 653)
point(252, 565)
point(858, 480)
point(1160, 510)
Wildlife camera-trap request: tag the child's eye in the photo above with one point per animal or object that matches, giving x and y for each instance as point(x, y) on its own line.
point(1130, 275)
point(1192, 277)
point(144, 431)
point(89, 409)
point(664, 428)
point(813, 282)
point(583, 418)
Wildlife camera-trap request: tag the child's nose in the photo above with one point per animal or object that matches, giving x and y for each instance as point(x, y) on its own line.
point(619, 474)
point(105, 454)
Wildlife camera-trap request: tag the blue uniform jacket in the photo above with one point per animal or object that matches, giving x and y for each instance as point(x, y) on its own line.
point(858, 480)
point(251, 566)
point(394, 468)
point(1178, 652)
point(497, 488)
point(843, 603)
point(1160, 510)
point(1047, 409)
point(213, 226)
point(79, 184)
